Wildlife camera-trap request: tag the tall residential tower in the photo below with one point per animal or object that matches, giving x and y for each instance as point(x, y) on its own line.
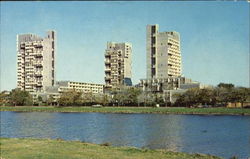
point(36, 61)
point(118, 64)
point(163, 53)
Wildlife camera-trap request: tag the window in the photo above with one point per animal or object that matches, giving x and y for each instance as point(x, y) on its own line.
point(153, 61)
point(153, 29)
point(53, 35)
point(153, 71)
point(153, 50)
point(153, 40)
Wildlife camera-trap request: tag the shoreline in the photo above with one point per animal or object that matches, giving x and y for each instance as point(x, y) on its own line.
point(58, 148)
point(131, 110)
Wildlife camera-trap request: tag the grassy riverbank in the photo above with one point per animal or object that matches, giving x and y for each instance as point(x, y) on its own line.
point(162, 110)
point(12, 148)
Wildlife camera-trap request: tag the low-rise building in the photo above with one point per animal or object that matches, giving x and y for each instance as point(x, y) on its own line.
point(80, 86)
point(158, 85)
point(64, 86)
point(169, 87)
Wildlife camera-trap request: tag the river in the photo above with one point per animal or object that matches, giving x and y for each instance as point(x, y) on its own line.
point(224, 135)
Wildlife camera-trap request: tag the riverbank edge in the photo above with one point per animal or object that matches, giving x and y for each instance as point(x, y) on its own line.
point(130, 110)
point(17, 144)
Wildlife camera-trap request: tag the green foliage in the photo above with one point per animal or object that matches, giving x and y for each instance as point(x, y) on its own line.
point(124, 95)
point(4, 98)
point(225, 85)
point(220, 95)
point(105, 100)
point(70, 98)
point(50, 100)
point(20, 97)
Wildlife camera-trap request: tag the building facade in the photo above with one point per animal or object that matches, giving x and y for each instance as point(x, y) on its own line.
point(163, 53)
point(64, 86)
point(118, 69)
point(170, 86)
point(161, 84)
point(36, 62)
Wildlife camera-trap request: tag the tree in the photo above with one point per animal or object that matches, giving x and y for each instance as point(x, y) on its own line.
point(132, 94)
point(124, 95)
point(20, 97)
point(50, 100)
point(159, 99)
point(4, 98)
point(205, 96)
point(220, 95)
point(180, 100)
point(239, 95)
point(195, 97)
point(40, 100)
point(105, 99)
point(225, 85)
point(141, 98)
point(244, 94)
point(88, 98)
point(70, 98)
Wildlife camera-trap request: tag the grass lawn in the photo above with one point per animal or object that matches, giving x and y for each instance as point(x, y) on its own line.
point(163, 110)
point(13, 148)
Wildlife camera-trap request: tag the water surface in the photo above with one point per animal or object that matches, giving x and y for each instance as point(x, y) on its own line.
point(224, 136)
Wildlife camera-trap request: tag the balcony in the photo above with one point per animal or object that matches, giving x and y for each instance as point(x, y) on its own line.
point(38, 45)
point(38, 54)
point(107, 70)
point(22, 47)
point(107, 55)
point(38, 63)
point(107, 61)
point(38, 73)
point(107, 77)
point(39, 83)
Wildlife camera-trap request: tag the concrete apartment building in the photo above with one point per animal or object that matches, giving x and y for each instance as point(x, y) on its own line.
point(163, 53)
point(164, 65)
point(118, 64)
point(36, 62)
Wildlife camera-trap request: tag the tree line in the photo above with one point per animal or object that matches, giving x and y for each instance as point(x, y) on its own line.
point(218, 96)
point(132, 96)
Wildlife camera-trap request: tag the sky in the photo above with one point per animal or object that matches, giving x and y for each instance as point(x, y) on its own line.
point(214, 37)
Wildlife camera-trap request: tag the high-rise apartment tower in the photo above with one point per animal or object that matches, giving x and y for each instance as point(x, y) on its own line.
point(36, 61)
point(163, 53)
point(118, 64)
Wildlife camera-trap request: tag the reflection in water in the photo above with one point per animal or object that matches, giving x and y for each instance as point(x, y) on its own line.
point(224, 136)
